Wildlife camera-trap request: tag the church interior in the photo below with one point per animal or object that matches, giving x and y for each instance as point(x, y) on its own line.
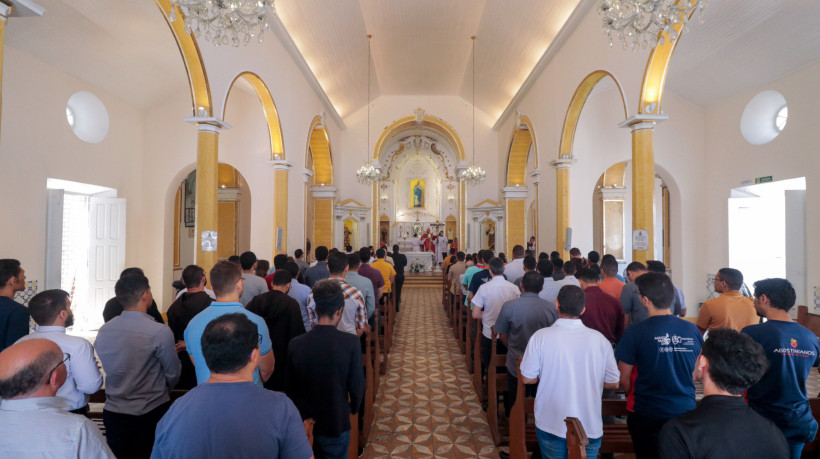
point(131, 141)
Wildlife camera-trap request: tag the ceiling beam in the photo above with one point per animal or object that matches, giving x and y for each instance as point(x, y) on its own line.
point(566, 30)
point(290, 47)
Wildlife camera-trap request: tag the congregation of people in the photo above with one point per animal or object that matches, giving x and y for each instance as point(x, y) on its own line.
point(260, 349)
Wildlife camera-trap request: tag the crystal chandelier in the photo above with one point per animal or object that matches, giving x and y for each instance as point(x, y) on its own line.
point(474, 174)
point(638, 23)
point(368, 173)
point(224, 22)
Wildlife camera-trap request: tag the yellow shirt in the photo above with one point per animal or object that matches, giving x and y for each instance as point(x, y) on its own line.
point(387, 271)
point(731, 310)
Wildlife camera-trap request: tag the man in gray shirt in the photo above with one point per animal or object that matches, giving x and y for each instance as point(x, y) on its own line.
point(33, 419)
point(141, 365)
point(518, 320)
point(254, 285)
point(362, 283)
point(634, 311)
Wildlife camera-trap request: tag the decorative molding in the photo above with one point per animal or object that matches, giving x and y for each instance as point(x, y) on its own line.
point(207, 123)
point(20, 8)
point(228, 194)
point(306, 175)
point(320, 192)
point(281, 165)
point(350, 202)
point(563, 163)
point(641, 122)
point(513, 192)
point(487, 201)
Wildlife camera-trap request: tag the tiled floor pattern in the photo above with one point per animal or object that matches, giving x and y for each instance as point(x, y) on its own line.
point(426, 406)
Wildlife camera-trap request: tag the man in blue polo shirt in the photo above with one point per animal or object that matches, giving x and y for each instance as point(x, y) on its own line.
point(227, 282)
point(656, 358)
point(792, 351)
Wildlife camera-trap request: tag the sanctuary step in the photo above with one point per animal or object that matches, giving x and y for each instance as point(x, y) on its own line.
point(422, 280)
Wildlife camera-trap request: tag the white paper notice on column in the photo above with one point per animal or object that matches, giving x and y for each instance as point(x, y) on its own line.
point(640, 240)
point(209, 241)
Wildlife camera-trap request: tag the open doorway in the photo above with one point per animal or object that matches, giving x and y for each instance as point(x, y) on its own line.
point(767, 232)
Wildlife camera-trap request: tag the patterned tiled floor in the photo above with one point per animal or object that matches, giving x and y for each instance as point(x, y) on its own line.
point(426, 405)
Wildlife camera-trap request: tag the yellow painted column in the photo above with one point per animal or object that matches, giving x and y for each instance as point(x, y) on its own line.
point(5, 11)
point(515, 210)
point(562, 221)
point(207, 212)
point(643, 183)
point(281, 171)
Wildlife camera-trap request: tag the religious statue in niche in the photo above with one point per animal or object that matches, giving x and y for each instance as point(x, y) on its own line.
point(348, 231)
point(417, 191)
point(490, 235)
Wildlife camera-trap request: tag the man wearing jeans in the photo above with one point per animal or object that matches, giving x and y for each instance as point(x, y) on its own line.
point(574, 364)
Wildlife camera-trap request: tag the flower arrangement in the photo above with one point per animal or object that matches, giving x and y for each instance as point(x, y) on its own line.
point(416, 267)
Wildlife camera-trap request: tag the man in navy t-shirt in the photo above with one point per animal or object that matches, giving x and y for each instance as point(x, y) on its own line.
point(229, 415)
point(792, 351)
point(656, 358)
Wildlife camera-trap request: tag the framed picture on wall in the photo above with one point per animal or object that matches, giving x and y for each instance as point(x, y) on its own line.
point(190, 200)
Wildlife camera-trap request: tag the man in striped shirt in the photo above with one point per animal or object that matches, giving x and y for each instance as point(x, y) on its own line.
point(354, 314)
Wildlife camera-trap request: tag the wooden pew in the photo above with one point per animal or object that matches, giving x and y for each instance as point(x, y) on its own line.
point(353, 447)
point(577, 440)
point(478, 382)
point(469, 337)
point(808, 320)
point(522, 422)
point(369, 392)
point(616, 437)
point(812, 322)
point(496, 385)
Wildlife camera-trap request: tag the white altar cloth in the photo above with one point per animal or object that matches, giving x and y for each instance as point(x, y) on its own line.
point(426, 258)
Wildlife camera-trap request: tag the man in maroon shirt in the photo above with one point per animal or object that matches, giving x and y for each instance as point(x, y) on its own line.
point(603, 312)
point(371, 273)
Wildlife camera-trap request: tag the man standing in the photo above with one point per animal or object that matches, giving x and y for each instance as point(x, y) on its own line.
point(324, 373)
point(14, 317)
point(319, 270)
point(487, 304)
point(515, 268)
point(518, 320)
point(529, 264)
point(399, 263)
point(731, 309)
point(51, 310)
point(678, 307)
point(212, 419)
point(792, 351)
point(114, 308)
point(610, 283)
point(441, 247)
point(482, 276)
point(300, 262)
point(284, 320)
point(662, 351)
point(603, 313)
point(362, 283)
point(299, 292)
point(354, 315)
point(456, 270)
point(253, 285)
point(568, 278)
point(387, 272)
point(141, 366)
point(723, 425)
point(631, 297)
point(32, 417)
point(572, 365)
point(371, 273)
point(227, 281)
point(180, 313)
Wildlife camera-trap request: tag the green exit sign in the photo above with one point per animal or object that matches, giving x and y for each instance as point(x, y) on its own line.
point(766, 179)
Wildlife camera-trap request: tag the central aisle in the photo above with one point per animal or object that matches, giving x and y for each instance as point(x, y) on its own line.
point(426, 406)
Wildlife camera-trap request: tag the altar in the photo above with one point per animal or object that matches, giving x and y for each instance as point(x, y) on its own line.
point(425, 258)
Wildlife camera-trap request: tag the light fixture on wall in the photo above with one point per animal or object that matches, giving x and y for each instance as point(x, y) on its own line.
point(368, 173)
point(474, 174)
point(224, 22)
point(638, 23)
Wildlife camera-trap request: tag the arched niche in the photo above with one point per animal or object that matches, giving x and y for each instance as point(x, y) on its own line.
point(320, 194)
point(521, 184)
point(440, 144)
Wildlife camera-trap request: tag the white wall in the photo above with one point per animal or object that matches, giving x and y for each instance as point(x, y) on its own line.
point(37, 143)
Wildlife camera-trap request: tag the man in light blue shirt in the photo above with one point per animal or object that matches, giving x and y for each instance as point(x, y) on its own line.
point(51, 310)
point(299, 292)
point(362, 283)
point(227, 282)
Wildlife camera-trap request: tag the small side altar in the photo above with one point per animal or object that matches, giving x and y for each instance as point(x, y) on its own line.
point(425, 258)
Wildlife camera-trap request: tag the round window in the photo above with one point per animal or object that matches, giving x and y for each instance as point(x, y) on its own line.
point(764, 117)
point(87, 116)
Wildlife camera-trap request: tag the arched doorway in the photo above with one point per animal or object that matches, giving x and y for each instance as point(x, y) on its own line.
point(320, 194)
point(521, 185)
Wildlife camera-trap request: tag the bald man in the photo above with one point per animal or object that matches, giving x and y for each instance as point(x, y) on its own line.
point(31, 372)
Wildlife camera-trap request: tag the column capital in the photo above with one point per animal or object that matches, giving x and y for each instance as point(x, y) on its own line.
point(324, 191)
point(207, 123)
point(306, 175)
point(641, 121)
point(613, 193)
point(281, 164)
point(536, 176)
point(563, 163)
point(20, 8)
point(512, 192)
